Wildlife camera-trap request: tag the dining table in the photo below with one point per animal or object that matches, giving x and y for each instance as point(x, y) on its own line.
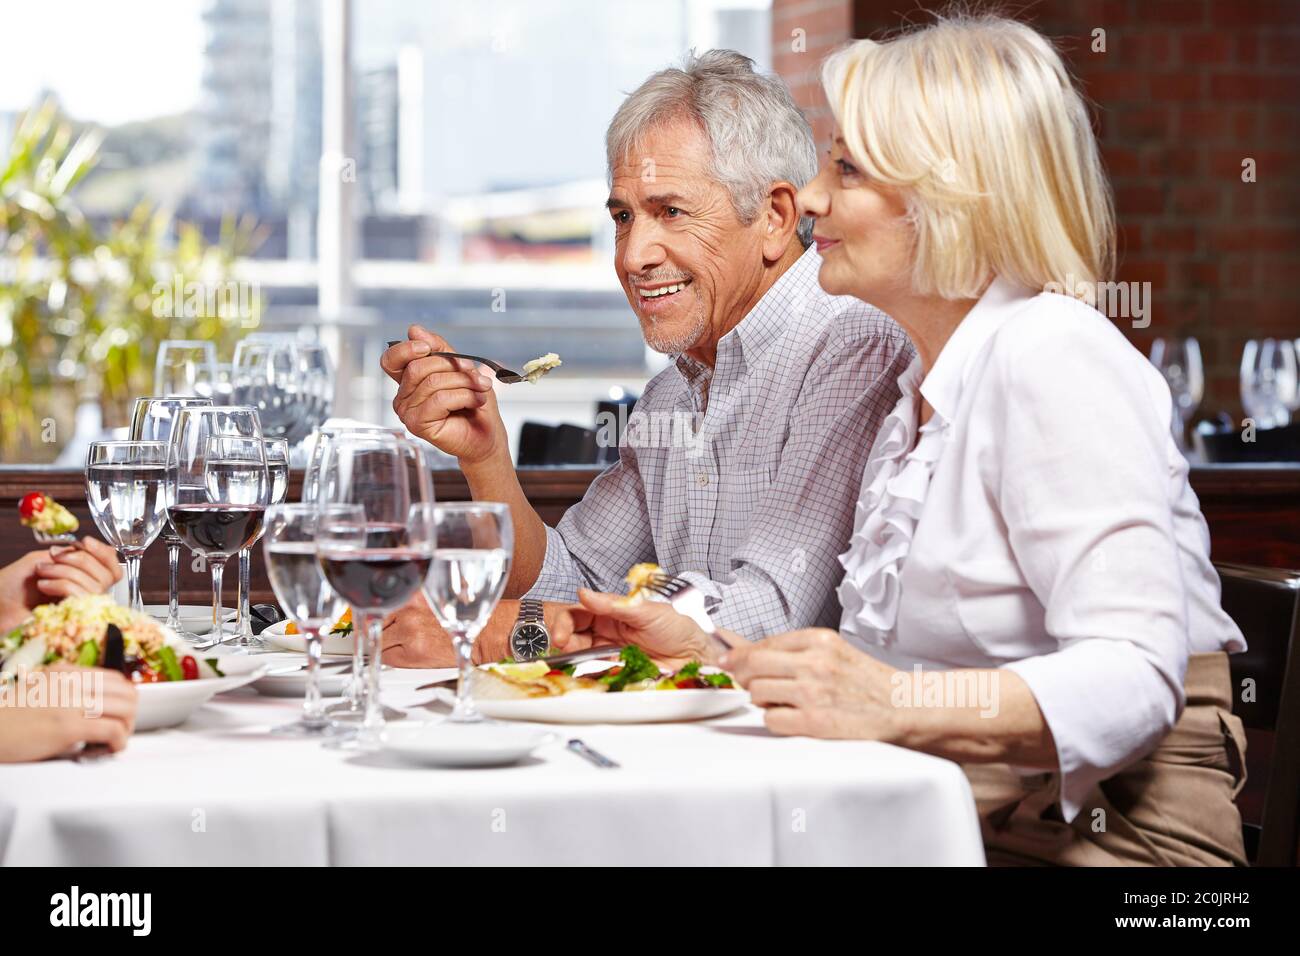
point(225, 788)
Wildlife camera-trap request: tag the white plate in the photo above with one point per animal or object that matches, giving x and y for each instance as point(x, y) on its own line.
point(332, 683)
point(632, 707)
point(334, 644)
point(463, 745)
point(195, 618)
point(171, 703)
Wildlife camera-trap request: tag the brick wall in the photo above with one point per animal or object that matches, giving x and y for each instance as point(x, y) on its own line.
point(1184, 92)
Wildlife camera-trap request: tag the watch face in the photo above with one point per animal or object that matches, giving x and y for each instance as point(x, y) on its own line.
point(529, 642)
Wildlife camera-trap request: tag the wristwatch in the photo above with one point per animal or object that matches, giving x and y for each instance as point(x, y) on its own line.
point(530, 639)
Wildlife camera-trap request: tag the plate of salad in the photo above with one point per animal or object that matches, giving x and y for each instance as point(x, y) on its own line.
point(632, 690)
point(94, 631)
point(337, 640)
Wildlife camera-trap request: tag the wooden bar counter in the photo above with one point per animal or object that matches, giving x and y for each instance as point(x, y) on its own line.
point(1253, 512)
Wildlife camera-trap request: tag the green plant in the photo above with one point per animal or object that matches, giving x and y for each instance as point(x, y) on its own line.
point(79, 303)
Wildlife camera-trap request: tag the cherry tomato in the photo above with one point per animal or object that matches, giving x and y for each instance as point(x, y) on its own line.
point(189, 668)
point(690, 683)
point(32, 504)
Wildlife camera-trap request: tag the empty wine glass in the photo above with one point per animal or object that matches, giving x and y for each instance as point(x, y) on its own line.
point(1268, 381)
point(182, 366)
point(277, 467)
point(266, 376)
point(379, 565)
point(124, 488)
point(217, 487)
point(306, 597)
point(152, 420)
point(471, 561)
point(1179, 361)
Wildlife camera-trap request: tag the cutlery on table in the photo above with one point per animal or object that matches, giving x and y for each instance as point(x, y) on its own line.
point(559, 660)
point(591, 755)
point(503, 374)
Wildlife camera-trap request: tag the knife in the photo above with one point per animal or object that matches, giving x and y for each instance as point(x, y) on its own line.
point(559, 660)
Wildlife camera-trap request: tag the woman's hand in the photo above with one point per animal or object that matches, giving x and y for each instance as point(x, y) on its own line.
point(670, 638)
point(34, 733)
point(814, 683)
point(39, 577)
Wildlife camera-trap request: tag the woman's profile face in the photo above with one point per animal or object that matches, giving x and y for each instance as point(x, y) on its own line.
point(861, 231)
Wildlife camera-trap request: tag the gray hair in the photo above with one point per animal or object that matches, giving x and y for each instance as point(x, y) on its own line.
point(755, 130)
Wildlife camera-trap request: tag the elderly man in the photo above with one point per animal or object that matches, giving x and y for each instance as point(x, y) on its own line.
point(783, 387)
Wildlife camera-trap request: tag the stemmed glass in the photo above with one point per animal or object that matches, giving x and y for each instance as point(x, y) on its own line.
point(352, 707)
point(182, 366)
point(124, 488)
point(1268, 381)
point(152, 420)
point(277, 467)
point(218, 487)
point(266, 376)
point(304, 594)
point(471, 562)
point(1179, 361)
point(378, 565)
point(317, 389)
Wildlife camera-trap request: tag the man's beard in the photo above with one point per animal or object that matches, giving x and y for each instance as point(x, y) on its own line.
point(675, 344)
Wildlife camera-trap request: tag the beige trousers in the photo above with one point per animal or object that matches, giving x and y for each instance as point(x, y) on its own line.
point(1174, 807)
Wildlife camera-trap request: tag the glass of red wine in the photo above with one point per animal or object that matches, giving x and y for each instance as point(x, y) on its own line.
point(277, 467)
point(217, 487)
point(379, 563)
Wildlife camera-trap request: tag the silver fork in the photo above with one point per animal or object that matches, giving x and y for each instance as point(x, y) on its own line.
point(43, 537)
point(688, 600)
point(503, 374)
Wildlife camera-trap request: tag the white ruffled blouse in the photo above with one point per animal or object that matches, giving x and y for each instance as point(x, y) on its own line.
point(1041, 521)
point(896, 478)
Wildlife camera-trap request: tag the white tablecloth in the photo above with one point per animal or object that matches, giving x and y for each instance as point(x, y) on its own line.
point(221, 790)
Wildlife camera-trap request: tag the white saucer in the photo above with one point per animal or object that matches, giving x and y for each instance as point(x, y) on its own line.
point(195, 618)
point(444, 744)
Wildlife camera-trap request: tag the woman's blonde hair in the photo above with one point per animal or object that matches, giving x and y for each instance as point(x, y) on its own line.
point(975, 120)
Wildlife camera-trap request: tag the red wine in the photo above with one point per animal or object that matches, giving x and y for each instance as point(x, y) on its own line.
point(217, 530)
point(376, 580)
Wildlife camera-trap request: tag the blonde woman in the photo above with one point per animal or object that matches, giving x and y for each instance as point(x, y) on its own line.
point(1028, 589)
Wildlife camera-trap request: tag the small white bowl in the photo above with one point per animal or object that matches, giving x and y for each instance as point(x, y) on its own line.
point(444, 744)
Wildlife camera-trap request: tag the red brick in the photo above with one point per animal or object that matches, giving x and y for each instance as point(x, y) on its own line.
point(1170, 12)
point(1241, 273)
point(1205, 48)
point(1195, 198)
point(1245, 122)
point(1253, 86)
point(1144, 123)
point(1282, 49)
point(1154, 271)
point(1169, 161)
point(1199, 274)
point(1121, 161)
point(1144, 49)
point(1137, 200)
point(1177, 87)
point(1255, 13)
point(1203, 122)
point(1173, 239)
point(1247, 49)
point(1117, 86)
point(1245, 238)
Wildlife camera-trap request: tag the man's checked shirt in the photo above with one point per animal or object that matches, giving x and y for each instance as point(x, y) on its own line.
point(743, 478)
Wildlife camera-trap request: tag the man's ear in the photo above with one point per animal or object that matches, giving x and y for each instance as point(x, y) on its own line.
point(781, 218)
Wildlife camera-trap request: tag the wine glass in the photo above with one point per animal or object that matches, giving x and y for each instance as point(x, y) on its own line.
point(152, 420)
point(266, 376)
point(317, 376)
point(471, 562)
point(1179, 361)
point(182, 366)
point(277, 467)
point(304, 594)
point(379, 565)
point(217, 486)
point(124, 488)
point(1268, 381)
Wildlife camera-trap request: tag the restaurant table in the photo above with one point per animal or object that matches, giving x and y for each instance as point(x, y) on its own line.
point(222, 790)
